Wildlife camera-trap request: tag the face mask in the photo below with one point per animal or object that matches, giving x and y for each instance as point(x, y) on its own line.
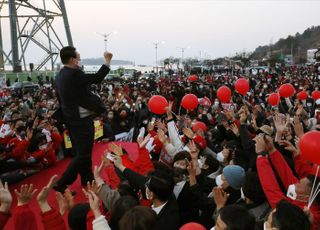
point(213, 228)
point(42, 147)
point(22, 134)
point(265, 226)
point(291, 193)
point(220, 157)
point(242, 194)
point(201, 162)
point(145, 122)
point(124, 100)
point(265, 86)
point(180, 173)
point(219, 181)
point(148, 194)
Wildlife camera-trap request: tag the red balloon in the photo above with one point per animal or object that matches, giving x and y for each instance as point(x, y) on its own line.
point(286, 90)
point(224, 94)
point(310, 146)
point(157, 104)
point(302, 95)
point(274, 99)
point(193, 78)
point(242, 86)
point(315, 95)
point(189, 101)
point(199, 125)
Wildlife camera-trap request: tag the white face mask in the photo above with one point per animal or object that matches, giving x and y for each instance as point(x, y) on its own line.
point(265, 226)
point(124, 101)
point(145, 122)
point(213, 228)
point(219, 181)
point(242, 194)
point(220, 157)
point(291, 193)
point(42, 147)
point(148, 194)
point(201, 162)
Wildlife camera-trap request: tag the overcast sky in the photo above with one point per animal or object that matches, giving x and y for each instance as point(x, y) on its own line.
point(217, 28)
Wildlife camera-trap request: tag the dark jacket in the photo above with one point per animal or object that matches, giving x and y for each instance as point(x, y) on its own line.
point(168, 218)
point(72, 87)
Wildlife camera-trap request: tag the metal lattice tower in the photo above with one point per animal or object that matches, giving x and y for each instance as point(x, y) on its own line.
point(31, 26)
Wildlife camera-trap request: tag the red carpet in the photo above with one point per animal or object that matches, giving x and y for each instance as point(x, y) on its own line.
point(41, 179)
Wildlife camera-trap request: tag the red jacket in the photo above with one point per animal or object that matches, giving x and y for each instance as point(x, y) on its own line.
point(52, 220)
point(57, 138)
point(24, 218)
point(271, 187)
point(4, 217)
point(19, 150)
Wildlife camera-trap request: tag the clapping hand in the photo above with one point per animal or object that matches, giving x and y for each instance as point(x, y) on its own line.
point(5, 197)
point(25, 194)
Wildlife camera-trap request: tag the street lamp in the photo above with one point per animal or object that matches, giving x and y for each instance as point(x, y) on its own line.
point(182, 52)
point(156, 48)
point(105, 36)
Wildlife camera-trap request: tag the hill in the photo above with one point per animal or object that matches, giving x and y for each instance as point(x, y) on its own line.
point(98, 61)
point(297, 44)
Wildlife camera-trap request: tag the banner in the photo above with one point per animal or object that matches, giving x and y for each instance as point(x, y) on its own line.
point(98, 129)
point(98, 132)
point(125, 136)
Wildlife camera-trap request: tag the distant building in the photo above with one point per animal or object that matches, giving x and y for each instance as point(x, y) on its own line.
point(310, 56)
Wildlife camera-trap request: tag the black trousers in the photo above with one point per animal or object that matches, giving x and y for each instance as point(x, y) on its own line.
point(81, 135)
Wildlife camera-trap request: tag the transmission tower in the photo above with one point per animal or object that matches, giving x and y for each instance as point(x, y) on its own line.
point(32, 32)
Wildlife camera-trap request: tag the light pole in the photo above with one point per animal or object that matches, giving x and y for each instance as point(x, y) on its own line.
point(182, 53)
point(156, 44)
point(105, 36)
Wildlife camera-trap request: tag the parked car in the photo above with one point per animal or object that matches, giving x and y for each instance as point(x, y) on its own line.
point(25, 86)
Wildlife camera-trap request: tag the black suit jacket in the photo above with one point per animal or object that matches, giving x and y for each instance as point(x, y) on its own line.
point(72, 91)
point(168, 218)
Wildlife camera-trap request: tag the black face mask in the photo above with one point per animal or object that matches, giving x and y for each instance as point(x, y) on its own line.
point(179, 174)
point(21, 129)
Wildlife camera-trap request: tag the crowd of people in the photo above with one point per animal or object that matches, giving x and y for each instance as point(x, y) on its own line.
point(240, 169)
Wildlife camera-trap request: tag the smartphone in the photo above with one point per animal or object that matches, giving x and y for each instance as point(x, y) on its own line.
point(110, 156)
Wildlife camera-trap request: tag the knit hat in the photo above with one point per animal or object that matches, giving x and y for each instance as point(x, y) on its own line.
point(235, 175)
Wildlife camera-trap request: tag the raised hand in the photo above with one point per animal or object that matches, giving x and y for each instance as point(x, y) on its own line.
point(107, 57)
point(94, 202)
point(115, 149)
point(25, 194)
point(234, 129)
point(142, 142)
point(94, 187)
point(43, 195)
point(288, 146)
point(62, 203)
point(97, 172)
point(220, 197)
point(169, 110)
point(194, 151)
point(5, 197)
point(188, 132)
point(298, 127)
point(161, 136)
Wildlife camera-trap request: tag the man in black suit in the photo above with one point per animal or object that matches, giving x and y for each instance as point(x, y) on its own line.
point(78, 105)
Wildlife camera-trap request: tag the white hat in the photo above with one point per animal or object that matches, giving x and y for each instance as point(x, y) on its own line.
point(318, 101)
